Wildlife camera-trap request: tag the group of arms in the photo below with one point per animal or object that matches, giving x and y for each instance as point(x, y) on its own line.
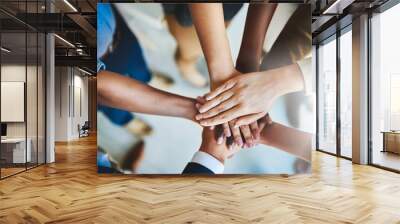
point(240, 97)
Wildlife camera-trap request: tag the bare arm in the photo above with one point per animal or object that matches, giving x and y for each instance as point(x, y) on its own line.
point(288, 139)
point(258, 19)
point(208, 19)
point(259, 16)
point(121, 92)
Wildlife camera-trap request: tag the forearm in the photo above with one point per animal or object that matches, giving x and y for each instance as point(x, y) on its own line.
point(258, 18)
point(208, 19)
point(288, 139)
point(121, 92)
point(286, 79)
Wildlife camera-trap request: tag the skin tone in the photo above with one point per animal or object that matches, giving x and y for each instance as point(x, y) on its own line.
point(258, 18)
point(211, 32)
point(219, 151)
point(213, 39)
point(122, 92)
point(250, 94)
point(290, 140)
point(243, 100)
point(279, 136)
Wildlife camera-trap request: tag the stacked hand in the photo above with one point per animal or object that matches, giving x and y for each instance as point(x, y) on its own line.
point(233, 134)
point(247, 97)
point(238, 103)
point(227, 131)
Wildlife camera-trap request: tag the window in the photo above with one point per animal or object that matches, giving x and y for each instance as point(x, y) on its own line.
point(22, 77)
point(385, 89)
point(346, 93)
point(327, 96)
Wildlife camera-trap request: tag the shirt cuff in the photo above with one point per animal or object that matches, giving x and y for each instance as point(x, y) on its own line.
point(305, 67)
point(208, 161)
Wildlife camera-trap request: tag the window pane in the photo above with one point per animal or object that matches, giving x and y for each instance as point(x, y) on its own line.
point(346, 94)
point(327, 97)
point(14, 150)
point(41, 99)
point(385, 114)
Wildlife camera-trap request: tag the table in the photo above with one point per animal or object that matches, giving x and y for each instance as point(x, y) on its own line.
point(391, 141)
point(16, 147)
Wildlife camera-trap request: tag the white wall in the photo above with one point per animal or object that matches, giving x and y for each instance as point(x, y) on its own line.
point(16, 73)
point(33, 126)
point(71, 94)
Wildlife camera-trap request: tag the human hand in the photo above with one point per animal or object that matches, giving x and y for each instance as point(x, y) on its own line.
point(233, 135)
point(248, 97)
point(219, 151)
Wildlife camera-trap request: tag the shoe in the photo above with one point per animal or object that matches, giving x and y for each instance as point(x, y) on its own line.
point(130, 161)
point(139, 127)
point(189, 72)
point(161, 81)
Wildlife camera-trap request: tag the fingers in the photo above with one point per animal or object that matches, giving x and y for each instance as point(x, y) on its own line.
point(246, 120)
point(268, 119)
point(216, 101)
point(222, 132)
point(255, 131)
point(264, 121)
point(223, 117)
point(219, 134)
point(227, 130)
point(237, 137)
point(247, 135)
point(201, 100)
point(227, 85)
point(216, 110)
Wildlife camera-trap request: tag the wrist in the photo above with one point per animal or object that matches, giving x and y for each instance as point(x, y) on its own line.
point(220, 73)
point(281, 79)
point(287, 79)
point(265, 134)
point(189, 110)
point(247, 63)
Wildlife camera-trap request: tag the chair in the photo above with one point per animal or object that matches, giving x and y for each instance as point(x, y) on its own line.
point(84, 129)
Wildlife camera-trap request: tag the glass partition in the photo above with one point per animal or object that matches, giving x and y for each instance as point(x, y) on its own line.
point(32, 98)
point(41, 97)
point(14, 153)
point(22, 90)
point(385, 89)
point(327, 96)
point(346, 93)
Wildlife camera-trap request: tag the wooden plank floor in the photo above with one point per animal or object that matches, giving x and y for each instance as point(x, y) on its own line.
point(70, 191)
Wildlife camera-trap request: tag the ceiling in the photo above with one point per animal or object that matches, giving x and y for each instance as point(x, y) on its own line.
point(74, 22)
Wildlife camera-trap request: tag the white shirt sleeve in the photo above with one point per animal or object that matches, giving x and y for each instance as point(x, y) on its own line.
point(208, 161)
point(306, 70)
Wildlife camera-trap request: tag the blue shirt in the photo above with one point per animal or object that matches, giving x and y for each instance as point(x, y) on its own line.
point(106, 25)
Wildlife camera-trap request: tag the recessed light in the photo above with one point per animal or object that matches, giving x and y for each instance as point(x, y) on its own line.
point(64, 40)
point(70, 5)
point(5, 50)
point(84, 71)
